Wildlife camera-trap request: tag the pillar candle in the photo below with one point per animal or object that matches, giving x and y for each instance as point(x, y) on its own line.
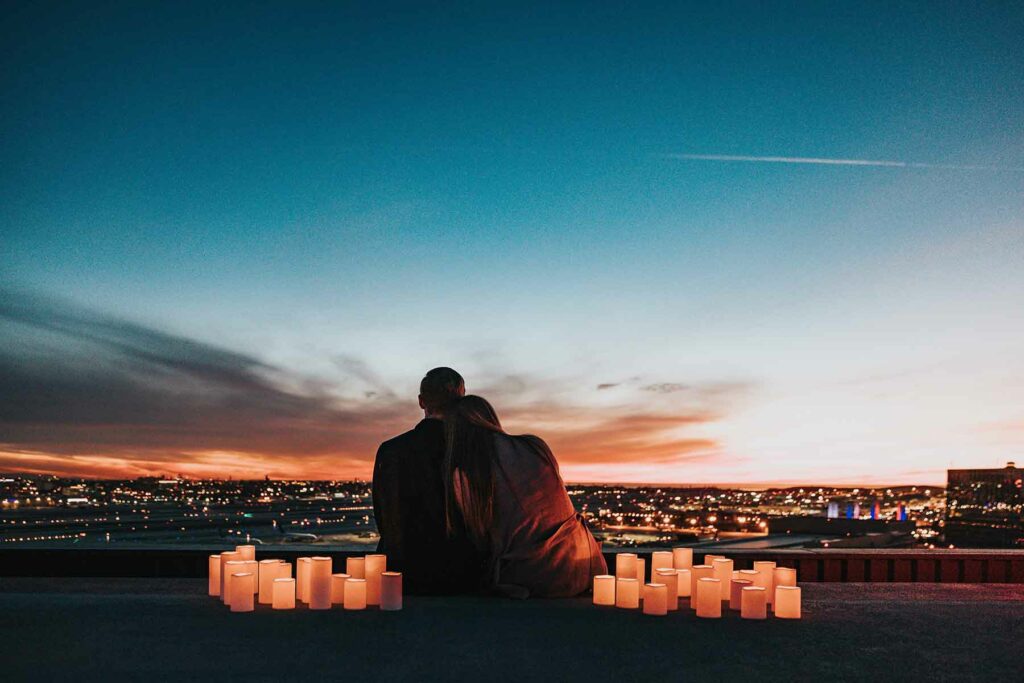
point(214, 575)
point(627, 593)
point(269, 570)
point(284, 571)
point(748, 575)
point(604, 589)
point(669, 577)
point(320, 583)
point(787, 602)
point(247, 552)
point(752, 603)
point(709, 560)
point(226, 557)
point(698, 572)
point(683, 582)
point(284, 594)
point(625, 566)
point(641, 570)
point(660, 559)
point(241, 588)
point(766, 581)
point(682, 558)
point(230, 567)
point(302, 567)
point(736, 574)
point(391, 591)
point(736, 587)
point(355, 594)
point(709, 598)
point(338, 588)
point(375, 566)
point(253, 567)
point(355, 567)
point(722, 570)
point(784, 576)
point(655, 599)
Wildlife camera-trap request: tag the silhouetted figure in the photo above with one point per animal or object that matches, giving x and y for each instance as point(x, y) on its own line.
point(507, 493)
point(409, 500)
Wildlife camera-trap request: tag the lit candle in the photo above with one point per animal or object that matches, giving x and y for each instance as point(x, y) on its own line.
point(269, 570)
point(736, 595)
point(787, 602)
point(355, 594)
point(641, 570)
point(660, 559)
point(284, 594)
point(253, 567)
point(784, 576)
point(375, 566)
point(683, 582)
point(604, 589)
point(226, 557)
point(669, 577)
point(709, 560)
point(391, 591)
point(214, 575)
point(302, 578)
point(682, 558)
point(722, 570)
point(709, 598)
point(752, 603)
point(242, 591)
point(748, 575)
point(655, 599)
point(247, 552)
point(338, 588)
point(625, 566)
point(230, 567)
point(766, 581)
point(320, 583)
point(355, 567)
point(698, 572)
point(627, 593)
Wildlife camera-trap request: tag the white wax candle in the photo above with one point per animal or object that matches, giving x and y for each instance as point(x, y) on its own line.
point(682, 558)
point(669, 577)
point(661, 559)
point(655, 599)
point(709, 598)
point(241, 588)
point(698, 572)
point(375, 566)
point(356, 567)
point(284, 594)
point(641, 569)
point(709, 560)
point(230, 567)
point(247, 552)
point(302, 568)
point(320, 583)
point(253, 567)
point(604, 589)
point(269, 570)
point(226, 557)
point(683, 583)
point(748, 575)
point(736, 587)
point(787, 602)
point(766, 581)
point(214, 575)
point(784, 576)
point(722, 570)
point(627, 593)
point(625, 566)
point(355, 594)
point(338, 588)
point(752, 603)
point(391, 591)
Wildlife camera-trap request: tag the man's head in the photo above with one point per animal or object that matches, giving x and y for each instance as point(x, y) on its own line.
point(438, 388)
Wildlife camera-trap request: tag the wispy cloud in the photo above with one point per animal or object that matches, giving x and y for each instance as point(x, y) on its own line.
point(838, 162)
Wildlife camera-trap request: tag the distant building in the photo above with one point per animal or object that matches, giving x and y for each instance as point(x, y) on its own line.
point(985, 508)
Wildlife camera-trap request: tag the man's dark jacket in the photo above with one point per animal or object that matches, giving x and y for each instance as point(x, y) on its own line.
point(409, 506)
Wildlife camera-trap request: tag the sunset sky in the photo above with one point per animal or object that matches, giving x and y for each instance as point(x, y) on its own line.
point(716, 242)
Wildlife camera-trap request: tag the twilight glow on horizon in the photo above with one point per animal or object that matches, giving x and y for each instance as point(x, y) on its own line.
point(729, 244)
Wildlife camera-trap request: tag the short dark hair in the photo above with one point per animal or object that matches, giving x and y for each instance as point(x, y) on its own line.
point(440, 387)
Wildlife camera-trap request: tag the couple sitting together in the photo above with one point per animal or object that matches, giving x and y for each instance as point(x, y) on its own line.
point(461, 506)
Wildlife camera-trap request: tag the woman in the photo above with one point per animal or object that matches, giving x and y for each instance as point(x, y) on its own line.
point(508, 495)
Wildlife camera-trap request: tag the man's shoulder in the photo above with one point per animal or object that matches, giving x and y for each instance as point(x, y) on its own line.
point(428, 433)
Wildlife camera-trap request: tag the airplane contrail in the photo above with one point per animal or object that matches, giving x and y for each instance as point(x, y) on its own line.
point(837, 162)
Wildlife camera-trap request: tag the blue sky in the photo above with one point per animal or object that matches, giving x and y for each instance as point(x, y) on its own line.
point(495, 188)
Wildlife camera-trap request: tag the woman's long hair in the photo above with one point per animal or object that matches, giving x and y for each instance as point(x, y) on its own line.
point(470, 426)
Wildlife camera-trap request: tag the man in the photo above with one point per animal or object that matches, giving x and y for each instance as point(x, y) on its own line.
point(409, 499)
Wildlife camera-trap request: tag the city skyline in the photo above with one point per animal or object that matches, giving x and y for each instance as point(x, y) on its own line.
point(732, 244)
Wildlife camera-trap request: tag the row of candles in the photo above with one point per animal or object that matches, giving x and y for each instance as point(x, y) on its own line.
point(241, 582)
point(708, 586)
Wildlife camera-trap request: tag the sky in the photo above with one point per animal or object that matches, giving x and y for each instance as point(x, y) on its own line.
point(683, 243)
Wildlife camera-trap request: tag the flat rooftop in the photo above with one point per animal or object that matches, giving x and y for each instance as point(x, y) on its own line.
point(106, 629)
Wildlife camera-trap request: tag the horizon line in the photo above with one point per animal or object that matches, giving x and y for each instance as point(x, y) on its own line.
point(829, 161)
